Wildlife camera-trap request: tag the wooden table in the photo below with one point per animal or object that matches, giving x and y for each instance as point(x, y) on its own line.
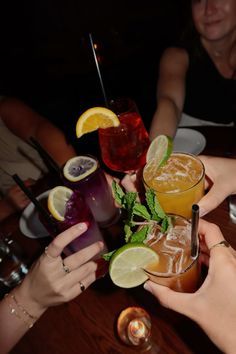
point(87, 325)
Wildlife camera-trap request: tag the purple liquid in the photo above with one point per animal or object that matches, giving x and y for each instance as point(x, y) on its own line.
point(77, 211)
point(98, 196)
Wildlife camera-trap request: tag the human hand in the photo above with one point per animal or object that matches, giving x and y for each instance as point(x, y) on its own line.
point(220, 178)
point(16, 198)
point(133, 182)
point(213, 305)
point(48, 284)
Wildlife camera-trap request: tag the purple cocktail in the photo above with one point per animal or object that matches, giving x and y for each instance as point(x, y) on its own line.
point(83, 173)
point(76, 211)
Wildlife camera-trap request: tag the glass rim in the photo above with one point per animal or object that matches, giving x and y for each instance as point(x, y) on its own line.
point(90, 174)
point(184, 190)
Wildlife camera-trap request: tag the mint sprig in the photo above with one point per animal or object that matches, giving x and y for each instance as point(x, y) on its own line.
point(150, 213)
point(139, 215)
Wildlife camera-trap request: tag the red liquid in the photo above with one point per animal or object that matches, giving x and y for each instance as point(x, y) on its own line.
point(124, 148)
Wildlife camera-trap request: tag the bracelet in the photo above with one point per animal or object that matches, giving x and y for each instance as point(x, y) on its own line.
point(25, 312)
point(29, 320)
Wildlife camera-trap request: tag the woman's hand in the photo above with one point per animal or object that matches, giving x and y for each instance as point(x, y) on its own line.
point(53, 280)
point(213, 305)
point(220, 178)
point(14, 201)
point(16, 198)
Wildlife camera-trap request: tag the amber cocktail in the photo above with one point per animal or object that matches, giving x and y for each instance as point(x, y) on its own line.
point(176, 268)
point(178, 184)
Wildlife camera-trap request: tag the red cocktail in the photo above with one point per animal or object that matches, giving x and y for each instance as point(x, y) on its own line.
point(124, 147)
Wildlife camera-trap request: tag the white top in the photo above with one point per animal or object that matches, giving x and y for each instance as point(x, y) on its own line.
point(16, 156)
point(188, 121)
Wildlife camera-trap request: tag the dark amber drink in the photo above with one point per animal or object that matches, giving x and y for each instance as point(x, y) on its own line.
point(176, 268)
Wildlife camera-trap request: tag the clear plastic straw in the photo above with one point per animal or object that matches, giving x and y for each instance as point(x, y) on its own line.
point(98, 70)
point(194, 230)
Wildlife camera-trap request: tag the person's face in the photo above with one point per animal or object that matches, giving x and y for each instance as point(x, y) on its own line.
point(214, 19)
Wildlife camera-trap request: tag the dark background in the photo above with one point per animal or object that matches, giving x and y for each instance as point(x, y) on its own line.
point(46, 57)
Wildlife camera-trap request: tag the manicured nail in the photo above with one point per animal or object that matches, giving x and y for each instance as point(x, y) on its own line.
point(101, 245)
point(147, 287)
point(82, 226)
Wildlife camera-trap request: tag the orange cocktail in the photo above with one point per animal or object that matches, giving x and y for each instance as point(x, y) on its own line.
point(178, 184)
point(176, 268)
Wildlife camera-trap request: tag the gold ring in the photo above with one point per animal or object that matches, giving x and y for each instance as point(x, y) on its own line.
point(82, 287)
point(65, 268)
point(221, 243)
point(47, 254)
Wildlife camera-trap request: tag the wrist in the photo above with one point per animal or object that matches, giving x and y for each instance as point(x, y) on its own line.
point(23, 296)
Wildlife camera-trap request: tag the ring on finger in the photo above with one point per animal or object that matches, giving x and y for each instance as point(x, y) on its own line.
point(47, 254)
point(65, 268)
point(223, 243)
point(82, 287)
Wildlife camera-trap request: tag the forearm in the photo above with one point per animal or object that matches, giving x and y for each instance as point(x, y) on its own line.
point(6, 209)
point(17, 315)
point(166, 118)
point(54, 141)
point(22, 121)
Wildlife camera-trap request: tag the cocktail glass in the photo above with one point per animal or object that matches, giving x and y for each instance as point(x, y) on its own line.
point(176, 268)
point(97, 193)
point(124, 148)
point(76, 211)
point(178, 184)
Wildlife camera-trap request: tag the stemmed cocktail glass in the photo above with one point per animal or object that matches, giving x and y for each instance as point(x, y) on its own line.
point(124, 147)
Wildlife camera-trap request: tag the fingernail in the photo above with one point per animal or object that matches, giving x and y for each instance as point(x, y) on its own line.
point(82, 226)
point(147, 287)
point(101, 245)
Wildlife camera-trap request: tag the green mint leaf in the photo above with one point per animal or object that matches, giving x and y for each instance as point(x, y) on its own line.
point(142, 211)
point(129, 200)
point(118, 193)
point(107, 256)
point(152, 205)
point(160, 212)
point(140, 235)
point(128, 232)
point(166, 223)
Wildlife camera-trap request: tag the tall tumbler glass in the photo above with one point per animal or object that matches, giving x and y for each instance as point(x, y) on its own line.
point(95, 190)
point(178, 184)
point(76, 211)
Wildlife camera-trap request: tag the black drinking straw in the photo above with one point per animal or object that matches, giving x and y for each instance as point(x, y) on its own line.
point(51, 164)
point(194, 230)
point(36, 203)
point(98, 70)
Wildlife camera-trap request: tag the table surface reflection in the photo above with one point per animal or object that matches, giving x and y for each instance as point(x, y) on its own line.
point(88, 323)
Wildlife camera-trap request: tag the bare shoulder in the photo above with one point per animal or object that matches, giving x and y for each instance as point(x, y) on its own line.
point(174, 57)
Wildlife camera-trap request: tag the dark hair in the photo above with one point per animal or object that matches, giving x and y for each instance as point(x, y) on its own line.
point(189, 37)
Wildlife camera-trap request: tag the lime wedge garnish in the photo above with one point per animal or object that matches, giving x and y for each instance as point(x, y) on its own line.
point(160, 150)
point(127, 263)
point(79, 167)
